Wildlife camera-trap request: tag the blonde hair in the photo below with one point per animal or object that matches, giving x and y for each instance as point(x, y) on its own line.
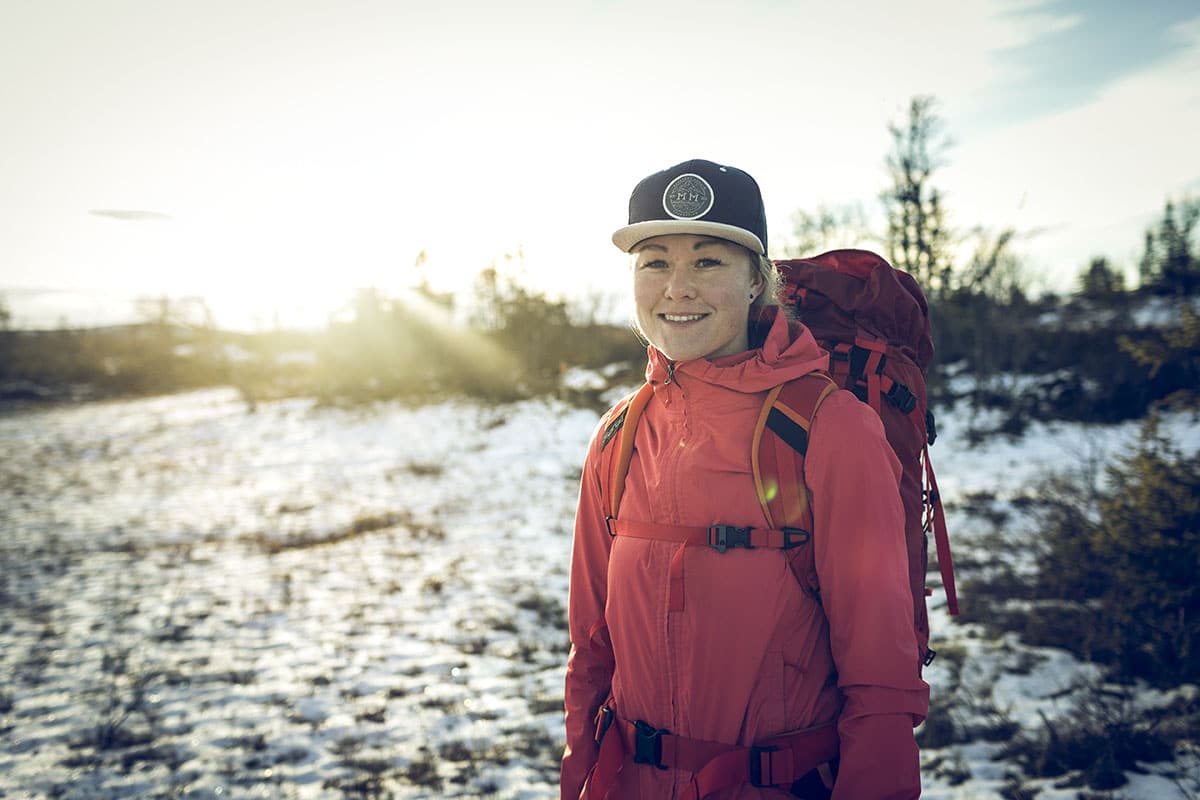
point(772, 282)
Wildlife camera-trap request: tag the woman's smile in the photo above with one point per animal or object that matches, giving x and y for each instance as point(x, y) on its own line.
point(693, 295)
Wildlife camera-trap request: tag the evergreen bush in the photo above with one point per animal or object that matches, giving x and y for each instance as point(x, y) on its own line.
point(1115, 580)
point(1103, 735)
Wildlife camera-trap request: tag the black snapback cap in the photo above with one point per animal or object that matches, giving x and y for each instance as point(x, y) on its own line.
point(697, 197)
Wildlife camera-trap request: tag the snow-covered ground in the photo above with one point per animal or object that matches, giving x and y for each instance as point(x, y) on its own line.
point(310, 602)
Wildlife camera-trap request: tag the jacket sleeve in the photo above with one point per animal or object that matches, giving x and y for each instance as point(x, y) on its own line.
point(590, 663)
point(862, 569)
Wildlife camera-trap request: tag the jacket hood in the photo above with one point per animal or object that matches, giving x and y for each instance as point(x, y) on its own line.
point(788, 351)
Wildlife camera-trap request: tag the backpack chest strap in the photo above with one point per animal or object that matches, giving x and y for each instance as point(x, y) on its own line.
point(718, 537)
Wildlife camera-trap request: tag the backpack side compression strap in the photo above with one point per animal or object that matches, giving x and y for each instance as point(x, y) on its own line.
point(937, 520)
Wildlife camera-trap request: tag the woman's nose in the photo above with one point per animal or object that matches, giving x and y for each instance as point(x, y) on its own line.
point(680, 285)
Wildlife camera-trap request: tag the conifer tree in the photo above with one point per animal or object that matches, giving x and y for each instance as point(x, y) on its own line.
point(1171, 259)
point(1101, 279)
point(918, 240)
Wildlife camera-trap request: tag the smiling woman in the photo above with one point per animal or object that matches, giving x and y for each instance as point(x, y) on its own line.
point(695, 671)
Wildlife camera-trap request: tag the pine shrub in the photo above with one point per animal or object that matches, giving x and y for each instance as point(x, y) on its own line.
point(1125, 565)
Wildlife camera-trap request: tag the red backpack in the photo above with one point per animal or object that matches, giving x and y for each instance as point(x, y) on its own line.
point(874, 321)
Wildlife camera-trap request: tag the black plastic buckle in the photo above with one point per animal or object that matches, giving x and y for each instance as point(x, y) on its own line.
point(647, 747)
point(722, 537)
point(756, 770)
point(794, 537)
point(902, 398)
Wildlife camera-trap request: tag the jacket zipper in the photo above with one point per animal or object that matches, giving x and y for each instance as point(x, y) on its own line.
point(672, 663)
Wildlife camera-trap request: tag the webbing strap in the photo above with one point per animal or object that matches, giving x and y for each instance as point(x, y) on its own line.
point(765, 492)
point(629, 419)
point(611, 758)
point(861, 365)
point(839, 363)
point(719, 537)
point(871, 369)
point(696, 535)
point(779, 761)
point(778, 460)
point(940, 536)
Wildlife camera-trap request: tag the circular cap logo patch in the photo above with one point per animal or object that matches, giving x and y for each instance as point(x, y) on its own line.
point(687, 197)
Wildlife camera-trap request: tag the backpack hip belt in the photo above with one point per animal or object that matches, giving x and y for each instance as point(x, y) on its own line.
point(777, 761)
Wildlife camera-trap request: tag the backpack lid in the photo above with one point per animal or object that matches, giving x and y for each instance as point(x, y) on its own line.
point(839, 293)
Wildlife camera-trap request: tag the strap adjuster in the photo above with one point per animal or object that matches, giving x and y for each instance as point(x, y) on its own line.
point(930, 655)
point(722, 537)
point(604, 720)
point(647, 744)
point(794, 537)
point(901, 397)
point(756, 766)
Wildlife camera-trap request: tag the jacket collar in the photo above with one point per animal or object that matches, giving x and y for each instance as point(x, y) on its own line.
point(787, 351)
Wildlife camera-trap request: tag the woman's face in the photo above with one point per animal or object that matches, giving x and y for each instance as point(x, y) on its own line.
point(693, 295)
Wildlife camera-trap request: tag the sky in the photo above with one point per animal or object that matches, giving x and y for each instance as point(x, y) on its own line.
point(272, 157)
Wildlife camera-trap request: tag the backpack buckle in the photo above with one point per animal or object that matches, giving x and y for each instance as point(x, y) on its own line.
point(794, 537)
point(756, 766)
point(722, 537)
point(647, 744)
point(902, 398)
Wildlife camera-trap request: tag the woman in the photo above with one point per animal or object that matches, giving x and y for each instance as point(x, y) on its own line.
point(699, 672)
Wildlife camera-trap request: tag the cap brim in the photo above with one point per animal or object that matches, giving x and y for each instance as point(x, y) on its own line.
point(628, 237)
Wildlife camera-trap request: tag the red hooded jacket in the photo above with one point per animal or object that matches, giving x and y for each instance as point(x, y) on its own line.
point(752, 654)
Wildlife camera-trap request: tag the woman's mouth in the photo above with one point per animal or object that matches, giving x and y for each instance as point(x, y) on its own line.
point(682, 317)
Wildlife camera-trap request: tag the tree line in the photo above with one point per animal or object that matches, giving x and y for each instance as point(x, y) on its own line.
point(1103, 352)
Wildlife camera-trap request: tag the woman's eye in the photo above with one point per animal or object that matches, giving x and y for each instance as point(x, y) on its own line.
point(709, 262)
point(657, 263)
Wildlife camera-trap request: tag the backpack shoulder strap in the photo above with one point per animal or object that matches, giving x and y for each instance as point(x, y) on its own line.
point(780, 444)
point(777, 460)
point(615, 455)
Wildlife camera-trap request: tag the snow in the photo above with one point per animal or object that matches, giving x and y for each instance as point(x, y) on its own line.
point(200, 601)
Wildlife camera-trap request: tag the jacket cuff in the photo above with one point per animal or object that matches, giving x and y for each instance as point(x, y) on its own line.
point(864, 701)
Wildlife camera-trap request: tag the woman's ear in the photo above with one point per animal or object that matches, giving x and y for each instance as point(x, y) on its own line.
point(757, 283)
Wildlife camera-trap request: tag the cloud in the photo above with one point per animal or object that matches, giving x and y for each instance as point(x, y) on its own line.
point(1080, 48)
point(1091, 176)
